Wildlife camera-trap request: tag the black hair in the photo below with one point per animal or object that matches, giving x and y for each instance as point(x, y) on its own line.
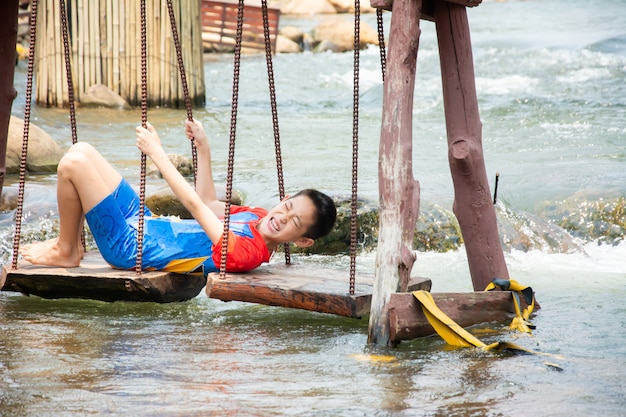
point(326, 213)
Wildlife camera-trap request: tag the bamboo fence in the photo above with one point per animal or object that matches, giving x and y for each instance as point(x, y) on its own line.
point(105, 45)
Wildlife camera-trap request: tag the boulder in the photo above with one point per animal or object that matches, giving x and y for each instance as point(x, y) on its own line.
point(99, 95)
point(43, 153)
point(293, 33)
point(182, 164)
point(347, 6)
point(8, 199)
point(163, 202)
point(340, 32)
point(308, 7)
point(287, 46)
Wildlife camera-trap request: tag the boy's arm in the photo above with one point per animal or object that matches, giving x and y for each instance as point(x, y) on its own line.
point(149, 143)
point(205, 186)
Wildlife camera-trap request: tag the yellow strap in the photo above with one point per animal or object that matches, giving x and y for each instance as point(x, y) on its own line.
point(455, 335)
point(520, 321)
point(447, 328)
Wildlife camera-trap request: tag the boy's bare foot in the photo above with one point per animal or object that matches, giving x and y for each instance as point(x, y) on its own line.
point(50, 253)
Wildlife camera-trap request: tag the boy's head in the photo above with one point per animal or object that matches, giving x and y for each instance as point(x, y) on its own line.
point(302, 218)
point(326, 213)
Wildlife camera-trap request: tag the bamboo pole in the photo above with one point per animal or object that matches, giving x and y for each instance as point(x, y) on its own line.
point(98, 55)
point(133, 37)
point(121, 84)
point(59, 88)
point(74, 37)
point(115, 28)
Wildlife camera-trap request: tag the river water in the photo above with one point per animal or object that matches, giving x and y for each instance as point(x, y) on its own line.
point(552, 95)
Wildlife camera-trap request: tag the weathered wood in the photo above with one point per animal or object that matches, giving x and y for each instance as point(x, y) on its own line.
point(219, 24)
point(473, 205)
point(94, 279)
point(427, 6)
point(8, 39)
point(407, 320)
point(323, 290)
point(398, 190)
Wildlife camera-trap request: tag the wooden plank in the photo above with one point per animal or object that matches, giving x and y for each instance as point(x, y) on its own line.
point(323, 290)
point(94, 279)
point(427, 6)
point(407, 320)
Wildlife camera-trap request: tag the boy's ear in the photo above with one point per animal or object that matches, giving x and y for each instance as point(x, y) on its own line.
point(304, 242)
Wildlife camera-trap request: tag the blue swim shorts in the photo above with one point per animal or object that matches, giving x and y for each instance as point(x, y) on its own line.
point(113, 223)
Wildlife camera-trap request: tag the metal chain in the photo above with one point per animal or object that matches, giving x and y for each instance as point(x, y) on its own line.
point(381, 41)
point(355, 144)
point(270, 77)
point(233, 129)
point(27, 108)
point(68, 70)
point(144, 121)
point(183, 80)
point(70, 86)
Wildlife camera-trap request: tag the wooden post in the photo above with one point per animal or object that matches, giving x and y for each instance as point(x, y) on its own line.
point(8, 39)
point(398, 191)
point(473, 205)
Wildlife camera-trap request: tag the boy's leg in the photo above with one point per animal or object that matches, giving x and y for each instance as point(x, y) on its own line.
point(84, 179)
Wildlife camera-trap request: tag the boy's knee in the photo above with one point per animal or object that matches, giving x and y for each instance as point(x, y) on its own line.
point(72, 161)
point(83, 147)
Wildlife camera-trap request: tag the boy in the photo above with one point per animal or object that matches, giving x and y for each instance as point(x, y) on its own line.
point(90, 188)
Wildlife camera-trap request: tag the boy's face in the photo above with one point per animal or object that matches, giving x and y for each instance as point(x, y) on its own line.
point(288, 221)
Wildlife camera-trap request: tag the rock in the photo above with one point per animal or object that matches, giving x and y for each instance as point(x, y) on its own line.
point(338, 240)
point(340, 32)
point(287, 46)
point(293, 33)
point(347, 6)
point(308, 7)
point(43, 153)
point(329, 46)
point(163, 202)
point(99, 95)
point(8, 199)
point(182, 164)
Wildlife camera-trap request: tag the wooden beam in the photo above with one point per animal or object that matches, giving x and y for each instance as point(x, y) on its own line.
point(427, 6)
point(473, 205)
point(96, 280)
point(323, 290)
point(8, 39)
point(398, 190)
point(407, 320)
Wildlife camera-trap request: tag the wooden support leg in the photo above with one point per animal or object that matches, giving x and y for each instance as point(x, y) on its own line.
point(473, 205)
point(398, 191)
point(8, 39)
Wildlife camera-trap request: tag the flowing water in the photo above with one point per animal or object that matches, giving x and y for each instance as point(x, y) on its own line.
point(551, 84)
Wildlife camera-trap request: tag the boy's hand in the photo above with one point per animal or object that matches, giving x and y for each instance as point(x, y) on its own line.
point(195, 133)
point(148, 140)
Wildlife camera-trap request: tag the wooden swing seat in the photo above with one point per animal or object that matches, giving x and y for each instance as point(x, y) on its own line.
point(300, 286)
point(319, 289)
point(95, 279)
